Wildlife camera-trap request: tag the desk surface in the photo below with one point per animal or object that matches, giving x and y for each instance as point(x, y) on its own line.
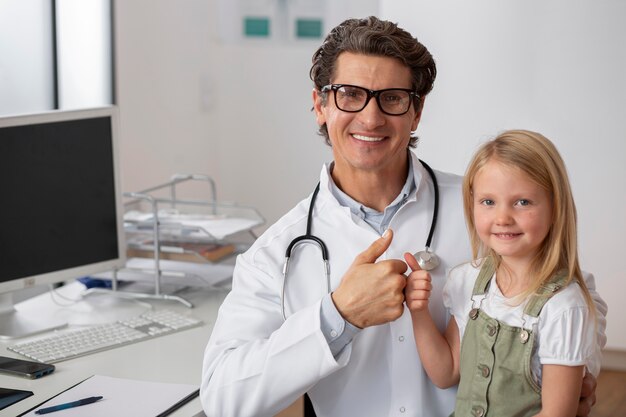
point(175, 358)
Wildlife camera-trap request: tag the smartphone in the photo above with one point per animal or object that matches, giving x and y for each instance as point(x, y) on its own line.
point(27, 369)
point(9, 396)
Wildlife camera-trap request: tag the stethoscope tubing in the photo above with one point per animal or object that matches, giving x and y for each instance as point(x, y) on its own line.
point(433, 223)
point(307, 237)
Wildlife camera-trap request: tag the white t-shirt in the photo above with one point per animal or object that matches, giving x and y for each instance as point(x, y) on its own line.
point(565, 327)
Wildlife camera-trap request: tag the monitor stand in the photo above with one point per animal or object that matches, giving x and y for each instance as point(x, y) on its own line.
point(15, 323)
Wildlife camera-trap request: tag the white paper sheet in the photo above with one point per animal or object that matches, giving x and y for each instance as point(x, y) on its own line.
point(122, 397)
point(216, 226)
point(174, 272)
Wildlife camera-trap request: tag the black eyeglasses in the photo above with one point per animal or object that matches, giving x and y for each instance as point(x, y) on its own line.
point(353, 99)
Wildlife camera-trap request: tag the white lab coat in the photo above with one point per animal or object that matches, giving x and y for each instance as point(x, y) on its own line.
point(256, 363)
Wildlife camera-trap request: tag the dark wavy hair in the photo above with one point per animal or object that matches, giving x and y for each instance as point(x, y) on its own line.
point(372, 36)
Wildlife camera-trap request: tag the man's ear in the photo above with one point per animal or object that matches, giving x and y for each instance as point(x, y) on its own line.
point(318, 107)
point(418, 114)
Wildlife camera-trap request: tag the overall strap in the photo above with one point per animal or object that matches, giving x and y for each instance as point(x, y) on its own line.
point(543, 294)
point(484, 276)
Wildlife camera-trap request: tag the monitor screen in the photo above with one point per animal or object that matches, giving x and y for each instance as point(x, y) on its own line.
point(61, 201)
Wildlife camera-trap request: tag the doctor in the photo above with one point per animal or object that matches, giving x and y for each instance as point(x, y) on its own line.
point(352, 350)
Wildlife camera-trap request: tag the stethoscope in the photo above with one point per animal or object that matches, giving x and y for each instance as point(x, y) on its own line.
point(426, 259)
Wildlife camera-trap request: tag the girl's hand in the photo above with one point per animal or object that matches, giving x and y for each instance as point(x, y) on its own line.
point(418, 286)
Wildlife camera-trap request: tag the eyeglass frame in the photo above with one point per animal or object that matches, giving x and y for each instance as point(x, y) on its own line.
point(371, 93)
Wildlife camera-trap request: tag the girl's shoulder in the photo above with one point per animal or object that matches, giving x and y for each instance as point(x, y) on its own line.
point(461, 278)
point(566, 329)
point(570, 297)
point(465, 270)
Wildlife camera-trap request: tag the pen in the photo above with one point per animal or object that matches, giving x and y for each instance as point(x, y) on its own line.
point(78, 403)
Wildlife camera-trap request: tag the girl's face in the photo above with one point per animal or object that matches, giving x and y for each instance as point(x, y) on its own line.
point(512, 214)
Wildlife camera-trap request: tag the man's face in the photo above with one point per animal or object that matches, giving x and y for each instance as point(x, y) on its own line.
point(370, 140)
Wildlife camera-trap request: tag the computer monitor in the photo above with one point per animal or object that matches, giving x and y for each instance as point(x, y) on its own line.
point(60, 205)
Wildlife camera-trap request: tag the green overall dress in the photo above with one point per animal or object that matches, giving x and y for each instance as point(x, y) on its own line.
point(496, 379)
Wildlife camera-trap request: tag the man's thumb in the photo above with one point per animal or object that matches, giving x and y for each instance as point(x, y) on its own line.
point(376, 249)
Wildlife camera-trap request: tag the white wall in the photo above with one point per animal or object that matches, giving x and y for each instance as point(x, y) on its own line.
point(240, 112)
point(555, 67)
point(163, 56)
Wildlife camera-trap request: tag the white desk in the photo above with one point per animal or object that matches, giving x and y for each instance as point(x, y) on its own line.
point(175, 358)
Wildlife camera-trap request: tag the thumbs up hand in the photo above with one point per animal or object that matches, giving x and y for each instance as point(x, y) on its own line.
point(418, 286)
point(370, 292)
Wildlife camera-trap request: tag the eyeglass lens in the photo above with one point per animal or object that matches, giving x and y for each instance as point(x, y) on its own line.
point(354, 99)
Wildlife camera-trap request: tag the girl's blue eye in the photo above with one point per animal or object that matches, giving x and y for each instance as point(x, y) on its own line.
point(487, 202)
point(523, 202)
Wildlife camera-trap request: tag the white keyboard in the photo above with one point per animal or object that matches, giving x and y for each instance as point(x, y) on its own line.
point(64, 345)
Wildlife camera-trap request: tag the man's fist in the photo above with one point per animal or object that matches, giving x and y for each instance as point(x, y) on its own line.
point(370, 292)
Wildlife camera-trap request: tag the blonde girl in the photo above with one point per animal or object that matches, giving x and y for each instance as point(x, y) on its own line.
point(521, 307)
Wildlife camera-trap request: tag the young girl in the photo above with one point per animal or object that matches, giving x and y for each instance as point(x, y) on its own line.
point(521, 308)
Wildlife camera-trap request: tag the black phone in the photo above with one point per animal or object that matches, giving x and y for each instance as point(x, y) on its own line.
point(27, 369)
point(9, 396)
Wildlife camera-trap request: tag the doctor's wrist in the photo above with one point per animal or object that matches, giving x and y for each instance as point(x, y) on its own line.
point(337, 331)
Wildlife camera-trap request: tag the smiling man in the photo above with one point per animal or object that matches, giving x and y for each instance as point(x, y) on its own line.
point(332, 322)
point(375, 106)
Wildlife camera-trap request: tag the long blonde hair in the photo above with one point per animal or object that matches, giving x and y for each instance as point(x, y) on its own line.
point(537, 157)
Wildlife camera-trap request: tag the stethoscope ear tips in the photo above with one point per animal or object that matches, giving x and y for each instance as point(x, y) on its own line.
point(427, 260)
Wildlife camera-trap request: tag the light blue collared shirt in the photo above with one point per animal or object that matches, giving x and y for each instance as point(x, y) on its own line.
point(337, 331)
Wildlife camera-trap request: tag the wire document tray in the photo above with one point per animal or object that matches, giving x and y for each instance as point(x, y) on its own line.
point(70, 344)
point(167, 230)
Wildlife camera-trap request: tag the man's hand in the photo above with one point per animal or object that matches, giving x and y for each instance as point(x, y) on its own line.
point(370, 292)
point(587, 395)
point(418, 286)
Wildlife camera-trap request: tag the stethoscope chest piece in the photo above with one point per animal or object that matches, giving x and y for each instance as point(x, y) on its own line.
point(427, 260)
